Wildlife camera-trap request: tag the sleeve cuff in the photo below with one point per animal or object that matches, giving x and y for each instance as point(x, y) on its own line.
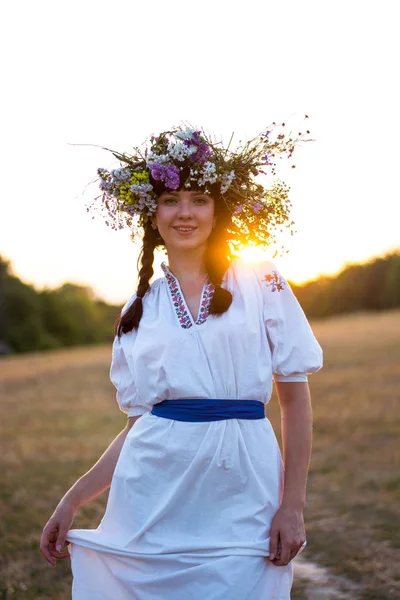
point(291, 378)
point(137, 410)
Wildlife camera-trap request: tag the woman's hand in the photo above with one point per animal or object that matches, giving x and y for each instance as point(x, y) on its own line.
point(55, 531)
point(287, 535)
point(90, 485)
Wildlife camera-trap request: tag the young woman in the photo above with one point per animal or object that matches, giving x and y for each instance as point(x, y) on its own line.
point(200, 504)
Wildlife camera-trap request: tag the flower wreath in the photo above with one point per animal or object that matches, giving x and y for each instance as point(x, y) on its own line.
point(188, 158)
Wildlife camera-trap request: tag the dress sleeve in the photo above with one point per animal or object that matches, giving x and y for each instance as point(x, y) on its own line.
point(121, 376)
point(294, 348)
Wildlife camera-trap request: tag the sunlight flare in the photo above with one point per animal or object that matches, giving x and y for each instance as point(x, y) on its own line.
point(253, 254)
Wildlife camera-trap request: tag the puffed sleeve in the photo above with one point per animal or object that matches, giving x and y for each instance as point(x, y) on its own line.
point(121, 376)
point(294, 348)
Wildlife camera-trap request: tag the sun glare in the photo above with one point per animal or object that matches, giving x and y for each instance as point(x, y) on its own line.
point(253, 254)
point(289, 265)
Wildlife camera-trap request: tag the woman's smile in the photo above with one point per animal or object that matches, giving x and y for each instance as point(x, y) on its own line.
point(185, 231)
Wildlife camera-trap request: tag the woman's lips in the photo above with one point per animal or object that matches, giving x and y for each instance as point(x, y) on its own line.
point(185, 233)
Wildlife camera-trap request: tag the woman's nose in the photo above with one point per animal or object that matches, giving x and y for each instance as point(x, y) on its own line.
point(185, 209)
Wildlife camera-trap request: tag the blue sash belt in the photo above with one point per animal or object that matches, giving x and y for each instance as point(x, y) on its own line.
point(206, 409)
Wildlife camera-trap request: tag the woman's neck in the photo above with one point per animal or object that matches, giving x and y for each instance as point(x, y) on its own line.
point(187, 266)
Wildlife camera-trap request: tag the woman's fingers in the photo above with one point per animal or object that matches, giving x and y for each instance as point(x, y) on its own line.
point(62, 534)
point(283, 557)
point(273, 543)
point(59, 555)
point(289, 551)
point(49, 535)
point(53, 543)
point(298, 548)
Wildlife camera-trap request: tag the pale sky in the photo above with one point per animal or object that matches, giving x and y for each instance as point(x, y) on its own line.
point(112, 73)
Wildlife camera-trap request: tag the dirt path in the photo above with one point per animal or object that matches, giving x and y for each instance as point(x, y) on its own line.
point(313, 582)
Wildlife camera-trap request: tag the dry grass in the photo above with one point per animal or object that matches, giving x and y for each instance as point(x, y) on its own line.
point(353, 510)
point(58, 413)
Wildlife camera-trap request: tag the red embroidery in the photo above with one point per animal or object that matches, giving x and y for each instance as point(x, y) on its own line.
point(185, 319)
point(274, 281)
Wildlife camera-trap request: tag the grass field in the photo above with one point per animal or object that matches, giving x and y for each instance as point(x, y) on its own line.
point(58, 413)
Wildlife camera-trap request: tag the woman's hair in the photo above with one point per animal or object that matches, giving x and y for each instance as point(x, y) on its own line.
point(217, 259)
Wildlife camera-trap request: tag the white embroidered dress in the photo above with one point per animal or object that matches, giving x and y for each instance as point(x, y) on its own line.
point(191, 503)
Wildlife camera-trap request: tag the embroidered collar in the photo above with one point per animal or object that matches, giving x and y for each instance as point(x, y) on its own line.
point(184, 316)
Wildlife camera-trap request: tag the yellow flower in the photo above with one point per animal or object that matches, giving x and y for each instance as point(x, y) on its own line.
point(125, 194)
point(138, 178)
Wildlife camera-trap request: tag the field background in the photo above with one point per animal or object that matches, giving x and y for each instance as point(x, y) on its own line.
point(58, 414)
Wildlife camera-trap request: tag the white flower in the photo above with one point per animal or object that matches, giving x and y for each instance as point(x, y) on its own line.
point(227, 179)
point(106, 186)
point(208, 173)
point(144, 199)
point(141, 188)
point(179, 151)
point(152, 157)
point(121, 174)
point(185, 134)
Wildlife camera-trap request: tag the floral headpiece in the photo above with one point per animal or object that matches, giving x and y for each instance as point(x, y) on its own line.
point(187, 158)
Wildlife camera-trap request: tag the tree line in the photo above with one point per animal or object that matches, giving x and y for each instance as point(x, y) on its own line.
point(32, 320)
point(71, 315)
point(370, 286)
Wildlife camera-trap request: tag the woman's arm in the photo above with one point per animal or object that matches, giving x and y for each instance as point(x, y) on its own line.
point(90, 485)
point(296, 427)
point(98, 478)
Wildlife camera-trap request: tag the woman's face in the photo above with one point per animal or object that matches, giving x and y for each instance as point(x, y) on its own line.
point(185, 219)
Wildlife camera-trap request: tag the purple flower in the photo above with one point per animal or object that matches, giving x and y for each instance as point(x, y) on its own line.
point(257, 207)
point(172, 178)
point(157, 171)
point(202, 153)
point(194, 139)
point(167, 173)
point(238, 209)
point(266, 159)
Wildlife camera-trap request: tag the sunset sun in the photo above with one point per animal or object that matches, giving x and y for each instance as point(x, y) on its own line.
point(253, 254)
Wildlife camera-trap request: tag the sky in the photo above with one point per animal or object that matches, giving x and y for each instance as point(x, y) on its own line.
point(79, 74)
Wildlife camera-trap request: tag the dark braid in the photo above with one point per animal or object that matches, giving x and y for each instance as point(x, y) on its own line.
point(131, 318)
point(217, 258)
